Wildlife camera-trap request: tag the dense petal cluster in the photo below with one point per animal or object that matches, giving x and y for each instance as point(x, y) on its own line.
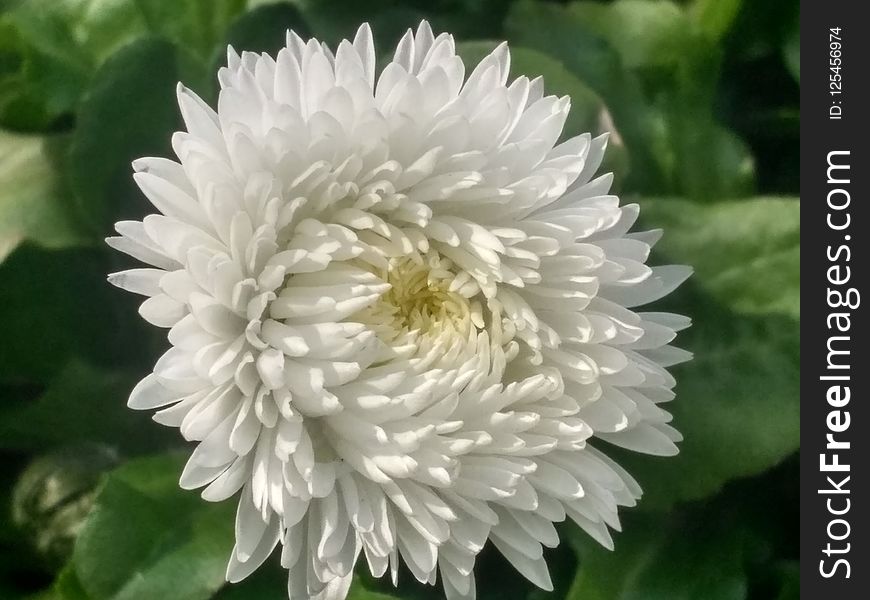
point(400, 313)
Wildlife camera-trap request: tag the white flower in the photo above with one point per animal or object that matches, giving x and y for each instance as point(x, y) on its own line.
point(400, 313)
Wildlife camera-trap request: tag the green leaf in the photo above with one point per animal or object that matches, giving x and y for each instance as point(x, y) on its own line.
point(197, 25)
point(647, 33)
point(710, 162)
point(100, 414)
point(791, 52)
point(61, 42)
point(761, 27)
point(33, 205)
point(46, 67)
point(53, 496)
point(51, 48)
point(130, 111)
point(679, 67)
point(68, 587)
point(55, 305)
point(715, 17)
point(737, 401)
point(790, 581)
point(663, 558)
point(147, 538)
point(657, 73)
point(83, 32)
point(731, 546)
point(358, 591)
point(558, 31)
point(745, 253)
point(21, 108)
point(269, 582)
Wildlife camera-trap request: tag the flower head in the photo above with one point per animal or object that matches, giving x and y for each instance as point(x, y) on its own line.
point(400, 313)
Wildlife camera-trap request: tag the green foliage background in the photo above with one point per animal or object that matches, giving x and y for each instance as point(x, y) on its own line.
point(702, 97)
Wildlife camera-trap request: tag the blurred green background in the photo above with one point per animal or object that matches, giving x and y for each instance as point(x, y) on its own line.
point(702, 100)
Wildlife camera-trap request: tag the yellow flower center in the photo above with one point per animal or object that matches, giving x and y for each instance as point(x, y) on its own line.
point(419, 301)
